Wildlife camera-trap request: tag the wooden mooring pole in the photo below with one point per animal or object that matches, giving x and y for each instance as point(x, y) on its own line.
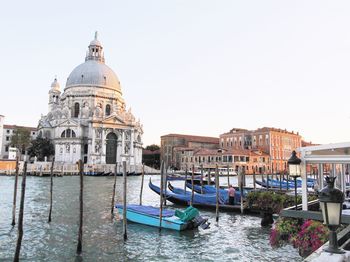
point(241, 189)
point(217, 192)
point(80, 232)
point(192, 184)
point(185, 188)
point(125, 234)
point(20, 216)
point(228, 176)
point(254, 180)
point(114, 185)
point(201, 178)
point(51, 188)
point(161, 194)
point(15, 194)
point(165, 181)
point(142, 179)
point(209, 178)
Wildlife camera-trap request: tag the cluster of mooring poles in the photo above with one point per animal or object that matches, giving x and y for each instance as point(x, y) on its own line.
point(80, 230)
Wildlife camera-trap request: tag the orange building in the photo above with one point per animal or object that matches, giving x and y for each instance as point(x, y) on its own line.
point(277, 143)
point(172, 144)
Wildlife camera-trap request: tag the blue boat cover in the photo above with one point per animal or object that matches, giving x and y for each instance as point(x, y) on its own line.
point(148, 210)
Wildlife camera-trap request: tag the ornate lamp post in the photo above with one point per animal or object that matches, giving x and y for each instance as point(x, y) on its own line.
point(331, 201)
point(294, 171)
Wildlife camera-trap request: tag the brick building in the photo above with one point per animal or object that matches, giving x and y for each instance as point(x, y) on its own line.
point(172, 146)
point(251, 161)
point(277, 143)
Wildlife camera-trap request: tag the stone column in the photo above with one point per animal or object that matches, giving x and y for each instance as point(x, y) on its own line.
point(123, 142)
point(103, 146)
point(91, 145)
point(119, 152)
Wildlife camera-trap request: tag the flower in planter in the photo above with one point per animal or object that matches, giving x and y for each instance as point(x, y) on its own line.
point(311, 236)
point(283, 231)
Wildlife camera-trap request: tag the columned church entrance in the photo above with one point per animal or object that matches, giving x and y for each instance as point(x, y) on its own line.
point(111, 148)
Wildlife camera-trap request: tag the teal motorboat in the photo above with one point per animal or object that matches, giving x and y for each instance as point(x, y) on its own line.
point(175, 220)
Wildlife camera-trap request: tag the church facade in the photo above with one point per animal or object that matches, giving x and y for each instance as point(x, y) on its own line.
point(89, 120)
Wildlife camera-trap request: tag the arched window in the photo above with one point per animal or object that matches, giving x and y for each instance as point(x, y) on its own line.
point(76, 109)
point(68, 133)
point(108, 110)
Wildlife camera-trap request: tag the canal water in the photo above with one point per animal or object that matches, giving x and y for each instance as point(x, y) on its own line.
point(235, 238)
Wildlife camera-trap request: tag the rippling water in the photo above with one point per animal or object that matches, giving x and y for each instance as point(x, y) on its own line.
point(235, 237)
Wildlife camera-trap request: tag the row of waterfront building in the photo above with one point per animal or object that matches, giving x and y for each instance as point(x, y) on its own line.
point(255, 151)
point(89, 121)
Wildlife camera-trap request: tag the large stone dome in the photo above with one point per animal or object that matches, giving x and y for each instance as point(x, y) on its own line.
point(93, 73)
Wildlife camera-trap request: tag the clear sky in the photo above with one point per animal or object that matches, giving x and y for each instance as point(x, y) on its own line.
point(194, 67)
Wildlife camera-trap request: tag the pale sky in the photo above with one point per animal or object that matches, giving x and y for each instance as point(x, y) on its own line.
point(192, 67)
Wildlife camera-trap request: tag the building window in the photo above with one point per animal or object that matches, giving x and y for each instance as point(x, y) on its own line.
point(108, 110)
point(8, 131)
point(86, 147)
point(6, 148)
point(68, 133)
point(7, 138)
point(76, 109)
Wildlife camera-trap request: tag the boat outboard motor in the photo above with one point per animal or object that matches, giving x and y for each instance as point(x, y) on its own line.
point(200, 221)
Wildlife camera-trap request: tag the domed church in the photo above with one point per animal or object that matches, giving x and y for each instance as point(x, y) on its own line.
point(89, 120)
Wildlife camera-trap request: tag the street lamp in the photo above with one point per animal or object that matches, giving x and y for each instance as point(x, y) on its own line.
point(331, 201)
point(294, 171)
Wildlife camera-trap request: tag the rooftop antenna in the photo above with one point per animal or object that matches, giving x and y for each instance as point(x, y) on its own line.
point(95, 35)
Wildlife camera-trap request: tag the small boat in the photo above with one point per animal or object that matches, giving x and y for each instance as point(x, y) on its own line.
point(197, 181)
point(200, 201)
point(93, 173)
point(127, 174)
point(175, 220)
point(212, 190)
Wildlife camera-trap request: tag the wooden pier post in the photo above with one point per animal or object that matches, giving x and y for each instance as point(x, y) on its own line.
point(165, 181)
point(161, 194)
point(241, 190)
point(20, 216)
point(209, 178)
point(124, 202)
point(80, 232)
point(192, 183)
point(51, 188)
point(185, 179)
point(15, 194)
point(114, 185)
point(254, 180)
point(201, 178)
point(281, 181)
point(228, 176)
point(217, 192)
point(142, 179)
point(267, 181)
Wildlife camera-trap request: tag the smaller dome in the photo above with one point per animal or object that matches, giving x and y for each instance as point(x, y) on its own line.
point(95, 42)
point(55, 86)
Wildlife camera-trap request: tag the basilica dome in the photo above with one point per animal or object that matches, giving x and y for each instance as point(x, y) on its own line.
point(94, 71)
